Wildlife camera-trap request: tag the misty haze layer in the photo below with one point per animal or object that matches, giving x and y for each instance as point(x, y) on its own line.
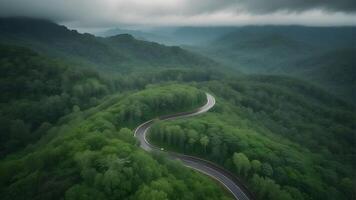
point(106, 13)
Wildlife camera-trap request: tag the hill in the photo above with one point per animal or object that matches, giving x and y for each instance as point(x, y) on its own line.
point(66, 131)
point(317, 54)
point(285, 138)
point(46, 102)
point(111, 54)
point(36, 91)
point(141, 35)
point(93, 155)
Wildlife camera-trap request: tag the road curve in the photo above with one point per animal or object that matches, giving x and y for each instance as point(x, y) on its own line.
point(227, 179)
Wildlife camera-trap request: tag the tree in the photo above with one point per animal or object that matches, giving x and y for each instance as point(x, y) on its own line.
point(82, 192)
point(88, 174)
point(267, 189)
point(204, 141)
point(258, 184)
point(178, 136)
point(19, 130)
point(148, 193)
point(267, 169)
point(193, 137)
point(45, 126)
point(216, 148)
point(111, 182)
point(256, 165)
point(127, 135)
point(349, 187)
point(76, 108)
point(181, 139)
point(242, 163)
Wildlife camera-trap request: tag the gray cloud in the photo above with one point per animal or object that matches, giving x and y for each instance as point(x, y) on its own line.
point(258, 6)
point(271, 6)
point(103, 13)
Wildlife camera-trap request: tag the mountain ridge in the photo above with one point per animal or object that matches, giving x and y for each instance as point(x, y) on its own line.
point(55, 40)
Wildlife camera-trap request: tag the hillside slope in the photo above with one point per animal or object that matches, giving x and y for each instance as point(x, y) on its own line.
point(117, 53)
point(286, 139)
point(66, 131)
point(36, 91)
point(93, 155)
point(322, 55)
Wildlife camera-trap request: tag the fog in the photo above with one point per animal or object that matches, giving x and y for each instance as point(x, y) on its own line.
point(109, 13)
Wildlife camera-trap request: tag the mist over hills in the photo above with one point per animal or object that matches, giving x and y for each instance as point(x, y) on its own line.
point(117, 53)
point(322, 55)
point(141, 35)
point(174, 35)
point(70, 103)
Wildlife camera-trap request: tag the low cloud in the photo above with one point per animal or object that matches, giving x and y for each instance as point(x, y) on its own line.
point(105, 13)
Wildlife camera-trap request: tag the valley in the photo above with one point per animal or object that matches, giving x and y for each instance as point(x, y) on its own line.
point(260, 112)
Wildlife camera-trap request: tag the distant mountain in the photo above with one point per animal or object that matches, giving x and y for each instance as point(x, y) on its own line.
point(335, 69)
point(337, 36)
point(199, 35)
point(174, 35)
point(141, 35)
point(117, 53)
point(323, 55)
point(268, 48)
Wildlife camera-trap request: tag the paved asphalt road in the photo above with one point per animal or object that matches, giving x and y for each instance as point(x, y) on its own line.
point(223, 176)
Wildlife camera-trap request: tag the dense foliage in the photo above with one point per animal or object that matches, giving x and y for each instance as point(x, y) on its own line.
point(286, 139)
point(66, 131)
point(37, 91)
point(92, 155)
point(322, 55)
point(115, 54)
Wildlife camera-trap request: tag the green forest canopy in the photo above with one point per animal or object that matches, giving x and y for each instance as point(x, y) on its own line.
point(66, 128)
point(285, 140)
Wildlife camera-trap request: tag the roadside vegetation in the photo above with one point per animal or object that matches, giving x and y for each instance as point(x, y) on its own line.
point(37, 90)
point(286, 140)
point(93, 155)
point(69, 103)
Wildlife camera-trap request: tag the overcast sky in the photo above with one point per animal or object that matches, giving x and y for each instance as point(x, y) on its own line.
point(109, 13)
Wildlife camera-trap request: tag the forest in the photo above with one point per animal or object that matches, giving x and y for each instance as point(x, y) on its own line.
point(93, 155)
point(70, 103)
point(38, 90)
point(287, 140)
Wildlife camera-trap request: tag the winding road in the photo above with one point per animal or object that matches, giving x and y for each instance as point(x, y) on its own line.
point(228, 180)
